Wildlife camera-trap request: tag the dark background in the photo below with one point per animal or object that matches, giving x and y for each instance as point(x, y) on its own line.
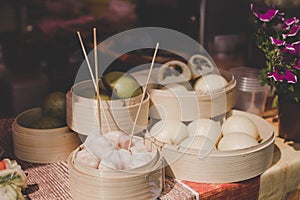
point(40, 52)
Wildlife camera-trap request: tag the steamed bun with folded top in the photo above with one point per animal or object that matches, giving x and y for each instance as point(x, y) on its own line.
point(205, 127)
point(170, 132)
point(236, 140)
point(139, 159)
point(174, 71)
point(242, 124)
point(88, 159)
point(210, 83)
point(119, 139)
point(197, 142)
point(116, 160)
point(99, 145)
point(110, 152)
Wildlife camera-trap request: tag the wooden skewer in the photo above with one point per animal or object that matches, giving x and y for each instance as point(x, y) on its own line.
point(143, 95)
point(97, 77)
point(99, 104)
point(91, 72)
point(87, 60)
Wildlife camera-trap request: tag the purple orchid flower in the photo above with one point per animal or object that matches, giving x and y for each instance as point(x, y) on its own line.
point(296, 46)
point(285, 27)
point(265, 16)
point(292, 48)
point(297, 66)
point(289, 49)
point(288, 76)
point(277, 42)
point(293, 31)
point(291, 21)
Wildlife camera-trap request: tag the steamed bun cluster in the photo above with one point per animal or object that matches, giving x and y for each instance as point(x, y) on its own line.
point(109, 152)
point(192, 135)
point(237, 132)
point(198, 75)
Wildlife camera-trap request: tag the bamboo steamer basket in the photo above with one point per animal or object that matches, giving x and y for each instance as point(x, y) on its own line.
point(145, 182)
point(221, 166)
point(42, 145)
point(82, 112)
point(193, 105)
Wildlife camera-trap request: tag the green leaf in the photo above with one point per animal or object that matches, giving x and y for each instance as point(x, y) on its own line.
point(275, 102)
point(291, 88)
point(8, 178)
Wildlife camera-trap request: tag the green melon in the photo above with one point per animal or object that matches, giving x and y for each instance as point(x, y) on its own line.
point(54, 105)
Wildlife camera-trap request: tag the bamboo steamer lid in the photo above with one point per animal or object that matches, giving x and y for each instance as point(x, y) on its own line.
point(42, 145)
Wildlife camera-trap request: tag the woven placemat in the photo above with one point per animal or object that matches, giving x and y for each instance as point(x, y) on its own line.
point(50, 181)
point(6, 143)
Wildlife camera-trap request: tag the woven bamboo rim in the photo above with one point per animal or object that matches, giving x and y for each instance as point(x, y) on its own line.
point(42, 145)
point(141, 183)
point(80, 92)
point(192, 105)
point(222, 166)
point(82, 115)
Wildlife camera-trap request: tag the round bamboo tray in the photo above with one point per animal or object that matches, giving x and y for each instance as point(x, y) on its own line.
point(222, 166)
point(145, 182)
point(192, 105)
point(82, 112)
point(42, 145)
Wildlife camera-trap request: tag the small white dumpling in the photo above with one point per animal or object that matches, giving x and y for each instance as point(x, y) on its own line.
point(205, 127)
point(158, 131)
point(200, 65)
point(238, 123)
point(126, 159)
point(140, 159)
point(87, 159)
point(181, 134)
point(116, 160)
point(111, 161)
point(197, 142)
point(99, 145)
point(120, 139)
point(170, 132)
point(210, 83)
point(175, 88)
point(201, 143)
point(138, 146)
point(173, 71)
point(236, 141)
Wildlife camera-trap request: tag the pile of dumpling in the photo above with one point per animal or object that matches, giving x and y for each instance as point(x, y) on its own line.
point(199, 74)
point(109, 152)
point(237, 132)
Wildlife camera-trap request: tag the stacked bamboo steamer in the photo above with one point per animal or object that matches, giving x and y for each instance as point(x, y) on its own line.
point(187, 163)
point(145, 182)
point(42, 145)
